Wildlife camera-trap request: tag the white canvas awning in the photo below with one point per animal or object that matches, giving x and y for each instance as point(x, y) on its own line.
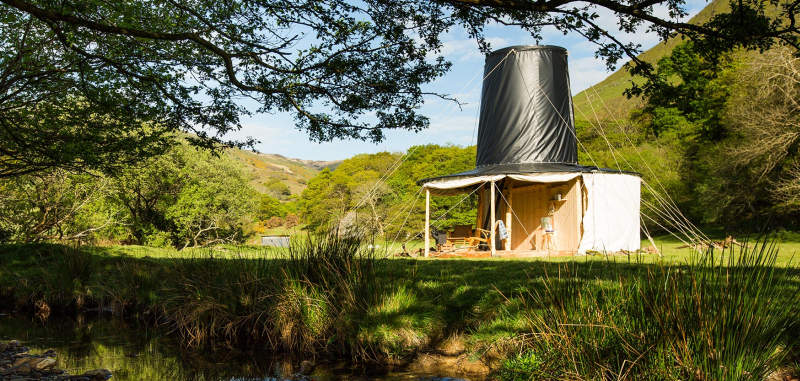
point(465, 184)
point(458, 184)
point(545, 177)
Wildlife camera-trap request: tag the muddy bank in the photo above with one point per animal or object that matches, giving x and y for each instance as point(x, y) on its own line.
point(17, 364)
point(132, 350)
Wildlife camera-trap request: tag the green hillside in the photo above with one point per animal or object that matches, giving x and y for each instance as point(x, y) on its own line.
point(277, 175)
point(606, 98)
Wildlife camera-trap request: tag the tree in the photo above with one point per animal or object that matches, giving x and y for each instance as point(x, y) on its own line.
point(106, 82)
point(54, 205)
point(687, 95)
point(277, 188)
point(733, 123)
point(186, 197)
point(147, 190)
point(90, 84)
point(270, 207)
point(422, 162)
point(379, 191)
point(748, 24)
point(759, 166)
point(213, 205)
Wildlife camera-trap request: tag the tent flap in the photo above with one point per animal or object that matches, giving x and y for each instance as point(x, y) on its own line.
point(457, 185)
point(545, 177)
point(611, 221)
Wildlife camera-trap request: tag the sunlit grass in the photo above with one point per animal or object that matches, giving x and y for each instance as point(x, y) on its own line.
point(672, 251)
point(345, 298)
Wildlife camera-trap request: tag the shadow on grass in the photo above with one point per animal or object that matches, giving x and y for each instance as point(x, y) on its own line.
point(373, 309)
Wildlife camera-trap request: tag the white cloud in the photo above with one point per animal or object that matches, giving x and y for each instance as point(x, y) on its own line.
point(585, 72)
point(447, 125)
point(466, 49)
point(459, 50)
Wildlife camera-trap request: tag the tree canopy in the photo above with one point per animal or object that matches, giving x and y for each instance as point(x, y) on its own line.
point(96, 84)
point(380, 191)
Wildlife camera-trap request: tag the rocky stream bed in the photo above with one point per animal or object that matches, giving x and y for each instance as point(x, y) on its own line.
point(17, 364)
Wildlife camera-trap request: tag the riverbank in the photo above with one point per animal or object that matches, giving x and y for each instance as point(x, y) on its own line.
point(514, 319)
point(136, 351)
point(17, 364)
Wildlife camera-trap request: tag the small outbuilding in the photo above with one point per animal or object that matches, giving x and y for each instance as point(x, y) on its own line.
point(534, 198)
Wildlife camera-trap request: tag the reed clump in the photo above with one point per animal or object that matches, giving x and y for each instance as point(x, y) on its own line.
point(722, 316)
point(305, 301)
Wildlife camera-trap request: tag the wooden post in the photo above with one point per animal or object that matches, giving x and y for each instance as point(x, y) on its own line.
point(427, 222)
point(508, 219)
point(492, 221)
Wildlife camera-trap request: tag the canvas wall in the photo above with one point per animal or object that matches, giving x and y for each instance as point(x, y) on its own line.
point(611, 219)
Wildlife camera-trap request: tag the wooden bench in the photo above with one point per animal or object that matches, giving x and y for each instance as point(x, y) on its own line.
point(464, 236)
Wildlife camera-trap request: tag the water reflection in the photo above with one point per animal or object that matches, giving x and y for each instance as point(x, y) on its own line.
point(136, 352)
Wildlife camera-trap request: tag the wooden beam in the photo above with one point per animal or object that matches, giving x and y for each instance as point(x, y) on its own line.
point(480, 216)
point(508, 218)
point(531, 187)
point(492, 220)
point(427, 222)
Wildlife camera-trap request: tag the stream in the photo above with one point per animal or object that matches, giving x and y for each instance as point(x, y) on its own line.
point(132, 351)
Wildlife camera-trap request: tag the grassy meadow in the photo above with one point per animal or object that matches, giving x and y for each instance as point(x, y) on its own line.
point(728, 315)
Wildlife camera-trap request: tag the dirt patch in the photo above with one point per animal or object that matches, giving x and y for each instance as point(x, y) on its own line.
point(450, 357)
point(438, 363)
point(17, 364)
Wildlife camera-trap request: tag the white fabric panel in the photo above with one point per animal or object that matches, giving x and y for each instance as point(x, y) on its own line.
point(611, 221)
point(446, 186)
point(552, 177)
point(450, 186)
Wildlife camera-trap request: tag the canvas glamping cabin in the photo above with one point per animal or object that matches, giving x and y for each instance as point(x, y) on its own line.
point(533, 196)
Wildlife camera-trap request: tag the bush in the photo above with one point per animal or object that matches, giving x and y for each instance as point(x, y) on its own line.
point(292, 220)
point(274, 222)
point(270, 207)
point(159, 239)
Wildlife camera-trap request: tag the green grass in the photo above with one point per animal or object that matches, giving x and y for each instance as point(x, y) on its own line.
point(670, 247)
point(788, 245)
point(591, 317)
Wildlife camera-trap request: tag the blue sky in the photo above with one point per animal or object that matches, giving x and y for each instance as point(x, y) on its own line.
point(448, 124)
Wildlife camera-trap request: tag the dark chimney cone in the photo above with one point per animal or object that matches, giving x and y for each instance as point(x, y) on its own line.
point(526, 108)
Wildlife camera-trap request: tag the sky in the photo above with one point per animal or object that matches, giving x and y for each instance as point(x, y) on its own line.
point(448, 124)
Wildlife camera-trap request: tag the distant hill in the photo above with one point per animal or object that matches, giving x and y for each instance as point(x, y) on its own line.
point(606, 98)
point(277, 175)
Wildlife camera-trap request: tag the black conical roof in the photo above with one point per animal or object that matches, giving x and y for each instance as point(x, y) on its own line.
point(526, 108)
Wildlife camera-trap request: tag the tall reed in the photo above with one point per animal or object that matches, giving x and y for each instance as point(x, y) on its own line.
point(723, 316)
point(304, 301)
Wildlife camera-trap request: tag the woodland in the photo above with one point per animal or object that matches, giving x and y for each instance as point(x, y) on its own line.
point(719, 137)
point(122, 195)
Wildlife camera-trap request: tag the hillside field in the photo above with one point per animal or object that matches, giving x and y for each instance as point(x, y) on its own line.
point(605, 100)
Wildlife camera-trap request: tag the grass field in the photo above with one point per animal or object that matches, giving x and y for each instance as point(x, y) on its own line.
point(672, 251)
point(731, 316)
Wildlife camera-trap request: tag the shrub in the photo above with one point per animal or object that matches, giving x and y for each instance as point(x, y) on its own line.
point(292, 220)
point(274, 222)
